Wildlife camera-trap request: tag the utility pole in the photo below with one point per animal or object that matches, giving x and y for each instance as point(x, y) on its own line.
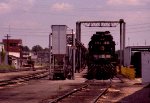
point(128, 41)
point(7, 42)
point(7, 46)
point(145, 42)
point(50, 56)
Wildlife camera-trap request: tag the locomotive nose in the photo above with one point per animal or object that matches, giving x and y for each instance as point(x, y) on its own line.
point(101, 56)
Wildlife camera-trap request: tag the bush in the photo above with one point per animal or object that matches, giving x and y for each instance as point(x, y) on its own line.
point(7, 67)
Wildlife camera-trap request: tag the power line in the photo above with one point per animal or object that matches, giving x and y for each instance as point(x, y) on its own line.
point(130, 29)
point(24, 28)
point(102, 8)
point(127, 32)
point(25, 34)
point(138, 31)
point(45, 31)
point(139, 24)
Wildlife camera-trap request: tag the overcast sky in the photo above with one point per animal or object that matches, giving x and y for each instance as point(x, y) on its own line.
point(31, 20)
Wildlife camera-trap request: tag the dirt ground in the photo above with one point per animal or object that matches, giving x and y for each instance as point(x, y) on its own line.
point(38, 91)
point(131, 91)
point(44, 90)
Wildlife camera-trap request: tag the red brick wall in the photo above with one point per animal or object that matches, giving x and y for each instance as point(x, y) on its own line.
point(14, 45)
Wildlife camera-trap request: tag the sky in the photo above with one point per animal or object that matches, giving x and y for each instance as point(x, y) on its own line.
point(31, 20)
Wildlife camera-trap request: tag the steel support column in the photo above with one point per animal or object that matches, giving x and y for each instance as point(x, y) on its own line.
point(78, 31)
point(80, 58)
point(78, 38)
point(50, 56)
point(74, 55)
point(122, 41)
point(105, 24)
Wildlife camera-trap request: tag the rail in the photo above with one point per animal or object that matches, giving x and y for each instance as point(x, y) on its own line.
point(23, 78)
point(91, 91)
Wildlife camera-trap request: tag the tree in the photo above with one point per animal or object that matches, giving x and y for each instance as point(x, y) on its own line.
point(37, 48)
point(46, 49)
point(25, 48)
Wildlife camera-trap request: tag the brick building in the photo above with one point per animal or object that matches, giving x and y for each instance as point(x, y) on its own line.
point(12, 45)
point(13, 49)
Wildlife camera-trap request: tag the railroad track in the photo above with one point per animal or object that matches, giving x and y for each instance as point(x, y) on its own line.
point(20, 79)
point(89, 93)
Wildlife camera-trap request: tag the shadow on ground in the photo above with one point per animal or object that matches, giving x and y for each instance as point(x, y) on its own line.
point(141, 96)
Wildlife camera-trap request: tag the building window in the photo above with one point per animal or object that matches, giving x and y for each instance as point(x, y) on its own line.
point(13, 44)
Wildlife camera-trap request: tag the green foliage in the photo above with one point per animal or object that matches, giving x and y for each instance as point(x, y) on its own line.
point(6, 67)
point(25, 48)
point(37, 48)
point(46, 49)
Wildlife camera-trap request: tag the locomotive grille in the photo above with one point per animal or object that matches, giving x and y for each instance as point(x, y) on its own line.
point(101, 55)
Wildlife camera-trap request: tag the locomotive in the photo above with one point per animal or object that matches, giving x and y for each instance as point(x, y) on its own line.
point(101, 59)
